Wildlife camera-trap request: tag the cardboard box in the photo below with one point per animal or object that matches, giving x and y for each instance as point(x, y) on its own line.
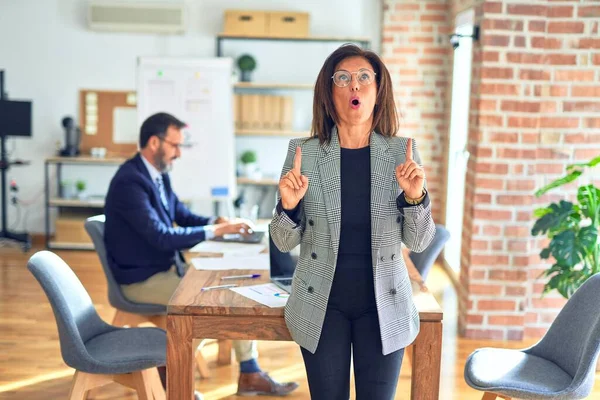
point(287, 24)
point(245, 23)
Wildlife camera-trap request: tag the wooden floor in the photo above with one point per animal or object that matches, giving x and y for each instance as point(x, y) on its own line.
point(31, 366)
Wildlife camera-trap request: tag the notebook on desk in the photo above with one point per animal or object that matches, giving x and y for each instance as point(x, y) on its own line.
point(254, 237)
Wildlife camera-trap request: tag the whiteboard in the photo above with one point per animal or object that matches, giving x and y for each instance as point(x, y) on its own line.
point(199, 92)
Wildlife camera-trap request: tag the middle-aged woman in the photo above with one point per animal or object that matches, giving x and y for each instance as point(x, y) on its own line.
point(350, 196)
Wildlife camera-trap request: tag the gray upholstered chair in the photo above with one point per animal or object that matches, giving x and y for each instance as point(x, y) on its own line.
point(561, 366)
point(130, 313)
point(100, 353)
point(424, 261)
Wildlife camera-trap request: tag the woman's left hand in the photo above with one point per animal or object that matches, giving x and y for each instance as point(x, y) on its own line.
point(410, 175)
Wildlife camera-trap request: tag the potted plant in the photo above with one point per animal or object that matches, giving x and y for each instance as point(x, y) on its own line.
point(249, 164)
point(80, 185)
point(247, 64)
point(573, 233)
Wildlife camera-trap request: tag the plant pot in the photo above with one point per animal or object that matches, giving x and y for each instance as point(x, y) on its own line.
point(67, 191)
point(249, 170)
point(246, 76)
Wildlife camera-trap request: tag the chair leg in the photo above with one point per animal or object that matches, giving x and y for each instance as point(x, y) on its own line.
point(84, 382)
point(157, 389)
point(201, 362)
point(143, 383)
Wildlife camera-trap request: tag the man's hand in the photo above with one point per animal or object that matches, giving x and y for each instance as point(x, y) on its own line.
point(221, 220)
point(235, 227)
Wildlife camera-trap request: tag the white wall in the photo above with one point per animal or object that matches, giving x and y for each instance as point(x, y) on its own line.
point(49, 54)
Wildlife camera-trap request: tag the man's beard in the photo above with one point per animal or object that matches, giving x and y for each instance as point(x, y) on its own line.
point(159, 160)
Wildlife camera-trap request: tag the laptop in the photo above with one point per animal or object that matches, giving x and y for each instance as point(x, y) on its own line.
point(281, 266)
point(253, 238)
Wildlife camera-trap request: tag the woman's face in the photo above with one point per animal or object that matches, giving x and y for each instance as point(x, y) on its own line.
point(355, 102)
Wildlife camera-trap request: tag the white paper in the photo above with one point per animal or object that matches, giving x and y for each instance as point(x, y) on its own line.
point(260, 261)
point(267, 294)
point(228, 249)
point(125, 129)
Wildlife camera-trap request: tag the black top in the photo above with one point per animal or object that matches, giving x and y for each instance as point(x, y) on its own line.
point(355, 179)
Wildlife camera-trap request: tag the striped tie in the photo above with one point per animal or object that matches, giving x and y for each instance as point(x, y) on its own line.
point(161, 191)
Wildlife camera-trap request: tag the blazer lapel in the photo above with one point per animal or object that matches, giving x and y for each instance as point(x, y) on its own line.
point(382, 173)
point(329, 170)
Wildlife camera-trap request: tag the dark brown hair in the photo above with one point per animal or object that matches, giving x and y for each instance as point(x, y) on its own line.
point(385, 118)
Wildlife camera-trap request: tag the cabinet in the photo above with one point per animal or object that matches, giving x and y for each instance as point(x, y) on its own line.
point(70, 233)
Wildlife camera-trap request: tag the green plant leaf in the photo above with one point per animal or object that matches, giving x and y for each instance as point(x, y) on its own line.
point(540, 212)
point(592, 163)
point(566, 282)
point(559, 214)
point(564, 248)
point(589, 198)
point(545, 254)
point(587, 239)
point(559, 182)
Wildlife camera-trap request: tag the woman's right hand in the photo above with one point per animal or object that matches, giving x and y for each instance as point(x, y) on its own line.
point(293, 185)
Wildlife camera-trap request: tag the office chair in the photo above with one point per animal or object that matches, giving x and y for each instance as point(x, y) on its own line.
point(134, 314)
point(424, 261)
point(100, 353)
point(561, 366)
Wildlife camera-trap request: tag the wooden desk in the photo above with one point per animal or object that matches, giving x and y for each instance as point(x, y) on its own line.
point(224, 314)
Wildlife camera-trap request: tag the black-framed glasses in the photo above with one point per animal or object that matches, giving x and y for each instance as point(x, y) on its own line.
point(364, 76)
point(177, 146)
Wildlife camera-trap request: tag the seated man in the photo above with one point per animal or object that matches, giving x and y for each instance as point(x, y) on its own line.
point(143, 245)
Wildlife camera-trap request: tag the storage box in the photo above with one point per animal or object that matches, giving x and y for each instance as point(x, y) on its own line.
point(71, 229)
point(287, 24)
point(245, 23)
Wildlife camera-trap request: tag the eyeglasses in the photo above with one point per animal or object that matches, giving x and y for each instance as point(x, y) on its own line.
point(343, 78)
point(177, 146)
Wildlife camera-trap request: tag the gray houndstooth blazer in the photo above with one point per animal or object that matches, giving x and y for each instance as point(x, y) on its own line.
point(318, 235)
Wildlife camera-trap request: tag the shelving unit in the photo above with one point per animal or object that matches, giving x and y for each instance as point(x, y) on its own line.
point(81, 206)
point(257, 182)
point(271, 86)
point(267, 132)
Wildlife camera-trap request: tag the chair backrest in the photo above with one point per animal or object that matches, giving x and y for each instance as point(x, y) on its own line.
point(76, 317)
point(573, 340)
point(424, 260)
point(95, 228)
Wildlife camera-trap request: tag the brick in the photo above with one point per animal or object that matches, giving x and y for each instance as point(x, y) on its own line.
point(531, 318)
point(526, 9)
point(559, 122)
point(588, 11)
point(589, 43)
point(548, 107)
point(523, 216)
point(503, 305)
point(492, 215)
point(546, 43)
point(433, 18)
point(574, 75)
point(566, 27)
point(596, 59)
point(523, 122)
point(528, 138)
point(490, 120)
point(476, 274)
point(499, 89)
point(514, 334)
point(551, 90)
point(490, 56)
point(496, 40)
point(586, 154)
point(397, 28)
point(515, 291)
point(498, 245)
point(492, 230)
point(407, 7)
point(520, 261)
point(488, 183)
point(493, 334)
point(591, 123)
point(575, 138)
point(490, 7)
point(483, 198)
point(531, 332)
point(502, 25)
point(521, 184)
point(520, 106)
point(534, 74)
point(485, 104)
point(517, 231)
point(537, 26)
point(475, 319)
point(548, 318)
point(504, 138)
point(560, 12)
point(519, 41)
point(420, 39)
point(405, 50)
point(513, 200)
point(497, 73)
point(548, 302)
point(506, 320)
point(581, 106)
point(402, 17)
point(495, 290)
point(437, 7)
point(525, 58)
point(549, 168)
point(561, 59)
point(486, 260)
point(507, 275)
point(479, 244)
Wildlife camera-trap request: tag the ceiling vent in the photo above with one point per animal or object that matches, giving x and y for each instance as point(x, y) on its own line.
point(152, 17)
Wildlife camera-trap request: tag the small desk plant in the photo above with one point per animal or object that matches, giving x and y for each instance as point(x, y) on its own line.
point(573, 230)
point(249, 164)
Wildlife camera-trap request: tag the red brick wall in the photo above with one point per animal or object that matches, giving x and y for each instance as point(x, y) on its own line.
point(416, 52)
point(535, 107)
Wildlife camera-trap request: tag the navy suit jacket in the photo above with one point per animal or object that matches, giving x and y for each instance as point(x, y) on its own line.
point(139, 234)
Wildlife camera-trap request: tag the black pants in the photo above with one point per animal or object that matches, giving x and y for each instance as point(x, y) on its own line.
point(352, 326)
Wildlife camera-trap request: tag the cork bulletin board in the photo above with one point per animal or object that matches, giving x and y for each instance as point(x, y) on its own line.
point(109, 120)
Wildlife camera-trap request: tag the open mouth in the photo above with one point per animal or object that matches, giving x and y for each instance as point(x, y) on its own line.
point(355, 102)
